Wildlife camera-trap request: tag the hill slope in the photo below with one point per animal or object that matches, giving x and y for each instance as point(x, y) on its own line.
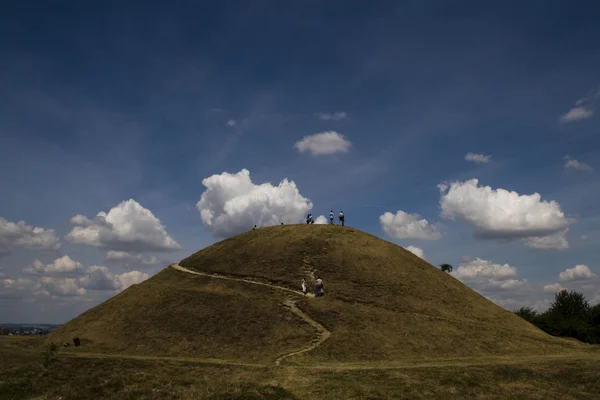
point(382, 303)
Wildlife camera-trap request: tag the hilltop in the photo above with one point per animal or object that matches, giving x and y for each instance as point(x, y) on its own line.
point(382, 303)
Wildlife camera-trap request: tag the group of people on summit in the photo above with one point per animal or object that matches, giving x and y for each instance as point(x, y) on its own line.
point(310, 220)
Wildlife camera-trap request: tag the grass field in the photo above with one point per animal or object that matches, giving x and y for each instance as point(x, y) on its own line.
point(229, 322)
point(103, 376)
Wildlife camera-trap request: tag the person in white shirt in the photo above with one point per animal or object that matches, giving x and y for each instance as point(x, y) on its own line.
point(341, 217)
point(331, 217)
point(304, 288)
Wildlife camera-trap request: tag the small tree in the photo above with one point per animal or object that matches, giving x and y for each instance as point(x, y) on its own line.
point(527, 313)
point(49, 355)
point(446, 268)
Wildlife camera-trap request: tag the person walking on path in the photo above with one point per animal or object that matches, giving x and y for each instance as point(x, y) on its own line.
point(304, 288)
point(341, 217)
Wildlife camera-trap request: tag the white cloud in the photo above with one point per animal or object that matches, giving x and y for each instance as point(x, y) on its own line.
point(584, 238)
point(556, 241)
point(61, 265)
point(477, 158)
point(416, 251)
point(232, 123)
point(578, 272)
point(113, 255)
point(130, 278)
point(583, 108)
point(100, 278)
point(576, 165)
point(542, 305)
point(578, 113)
point(442, 187)
point(30, 237)
point(498, 213)
point(321, 220)
point(324, 143)
point(510, 284)
point(335, 116)
point(127, 226)
point(479, 268)
point(20, 288)
point(61, 286)
point(486, 276)
point(232, 203)
point(408, 226)
point(553, 288)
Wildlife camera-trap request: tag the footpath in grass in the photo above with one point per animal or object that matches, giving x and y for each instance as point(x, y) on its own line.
point(26, 373)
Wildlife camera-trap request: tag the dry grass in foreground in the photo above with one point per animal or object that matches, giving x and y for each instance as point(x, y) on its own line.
point(22, 376)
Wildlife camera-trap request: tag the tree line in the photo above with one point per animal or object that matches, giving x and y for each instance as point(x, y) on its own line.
point(569, 315)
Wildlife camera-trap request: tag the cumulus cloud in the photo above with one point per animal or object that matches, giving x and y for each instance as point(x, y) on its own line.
point(477, 158)
point(487, 276)
point(334, 116)
point(61, 286)
point(232, 203)
point(553, 288)
point(408, 226)
point(28, 236)
point(578, 272)
point(324, 143)
point(416, 251)
point(113, 255)
point(556, 241)
point(100, 278)
point(127, 226)
point(576, 165)
point(479, 268)
point(321, 220)
point(62, 265)
point(498, 213)
point(232, 123)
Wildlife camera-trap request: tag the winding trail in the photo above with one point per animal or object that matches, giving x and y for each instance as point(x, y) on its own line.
point(324, 334)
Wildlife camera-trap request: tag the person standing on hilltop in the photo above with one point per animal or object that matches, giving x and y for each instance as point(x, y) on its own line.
point(308, 218)
point(341, 217)
point(331, 217)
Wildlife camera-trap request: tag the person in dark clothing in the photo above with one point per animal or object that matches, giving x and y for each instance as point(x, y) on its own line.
point(319, 288)
point(341, 217)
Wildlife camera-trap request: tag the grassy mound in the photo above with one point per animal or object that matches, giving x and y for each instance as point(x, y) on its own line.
point(382, 303)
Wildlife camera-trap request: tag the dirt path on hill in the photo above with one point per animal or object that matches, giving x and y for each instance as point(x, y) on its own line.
point(324, 334)
point(366, 366)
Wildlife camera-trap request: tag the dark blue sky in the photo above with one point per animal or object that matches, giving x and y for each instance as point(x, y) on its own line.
point(101, 104)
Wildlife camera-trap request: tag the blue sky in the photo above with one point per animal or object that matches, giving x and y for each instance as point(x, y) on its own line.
point(102, 105)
